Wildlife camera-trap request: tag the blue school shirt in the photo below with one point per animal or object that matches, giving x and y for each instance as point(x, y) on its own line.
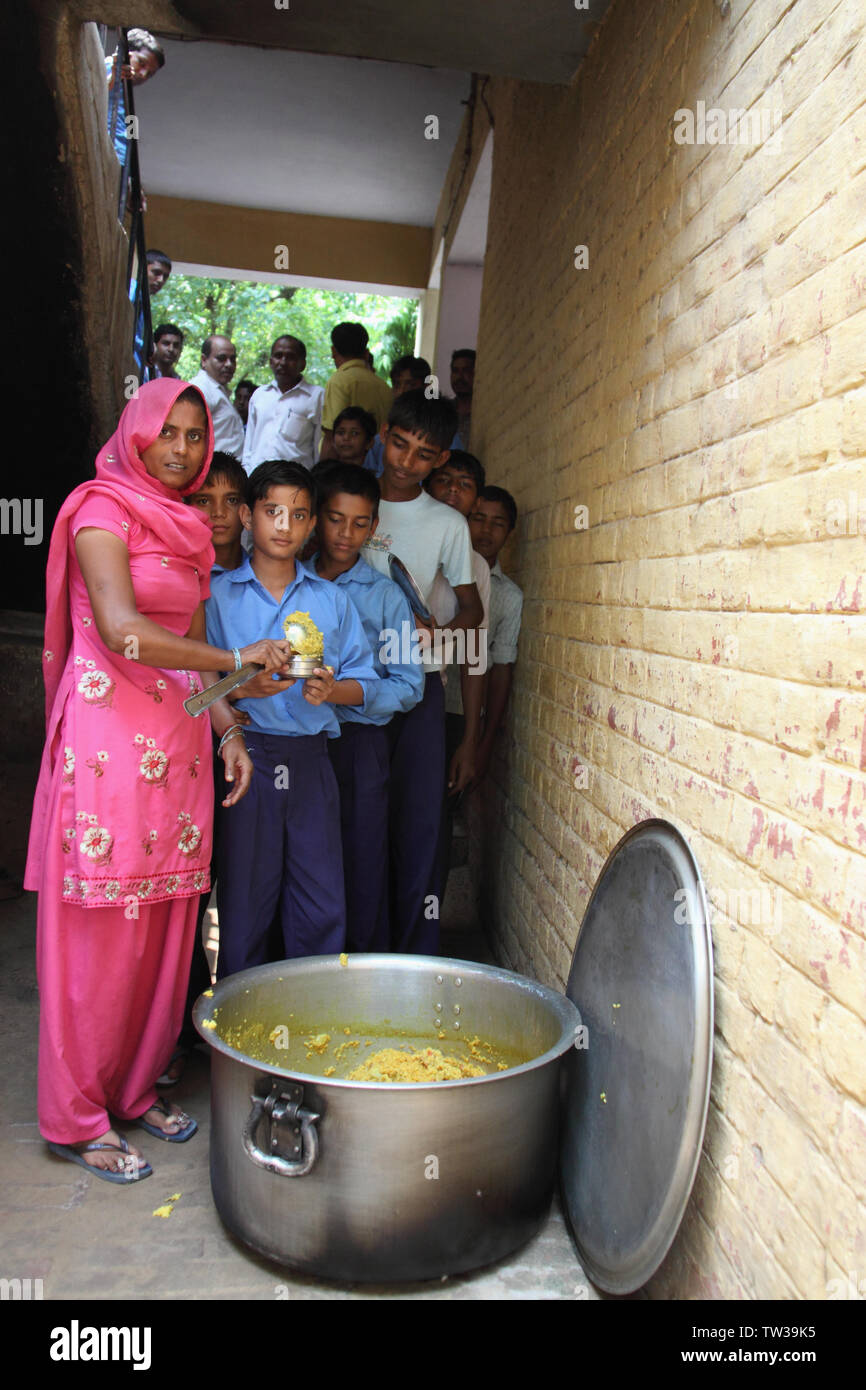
point(374, 459)
point(240, 611)
point(382, 608)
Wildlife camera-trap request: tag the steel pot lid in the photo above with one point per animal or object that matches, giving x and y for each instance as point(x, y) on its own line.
point(638, 1086)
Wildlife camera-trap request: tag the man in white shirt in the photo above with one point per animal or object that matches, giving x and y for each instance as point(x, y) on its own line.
point(218, 362)
point(285, 417)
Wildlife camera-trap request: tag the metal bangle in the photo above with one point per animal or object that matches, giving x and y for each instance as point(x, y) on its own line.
point(231, 732)
point(237, 656)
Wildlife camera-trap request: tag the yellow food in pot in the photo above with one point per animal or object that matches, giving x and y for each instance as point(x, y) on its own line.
point(424, 1064)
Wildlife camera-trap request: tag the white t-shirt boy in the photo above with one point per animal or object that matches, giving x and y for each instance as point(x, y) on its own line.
point(429, 538)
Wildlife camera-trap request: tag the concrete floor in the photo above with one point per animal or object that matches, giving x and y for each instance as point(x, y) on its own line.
point(87, 1239)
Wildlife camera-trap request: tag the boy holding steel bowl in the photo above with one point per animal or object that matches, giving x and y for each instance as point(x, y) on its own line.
point(283, 858)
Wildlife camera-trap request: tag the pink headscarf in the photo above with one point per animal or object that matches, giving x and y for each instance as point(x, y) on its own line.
point(122, 476)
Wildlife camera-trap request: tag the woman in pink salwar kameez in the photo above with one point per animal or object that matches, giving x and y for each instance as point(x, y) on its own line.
point(120, 842)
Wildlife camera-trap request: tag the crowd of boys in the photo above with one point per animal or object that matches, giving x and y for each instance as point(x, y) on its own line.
point(342, 840)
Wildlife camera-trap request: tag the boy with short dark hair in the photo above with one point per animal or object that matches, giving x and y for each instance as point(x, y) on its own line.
point(491, 522)
point(354, 432)
point(429, 538)
point(348, 506)
point(243, 393)
point(167, 347)
point(457, 483)
point(282, 853)
point(220, 497)
point(408, 373)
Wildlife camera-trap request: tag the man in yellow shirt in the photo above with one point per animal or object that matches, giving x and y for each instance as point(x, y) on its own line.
point(353, 383)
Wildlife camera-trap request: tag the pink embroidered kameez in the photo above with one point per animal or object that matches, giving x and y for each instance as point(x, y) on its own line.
point(120, 842)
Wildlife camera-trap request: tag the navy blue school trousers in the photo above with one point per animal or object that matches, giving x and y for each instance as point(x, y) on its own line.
point(417, 746)
point(279, 855)
point(360, 761)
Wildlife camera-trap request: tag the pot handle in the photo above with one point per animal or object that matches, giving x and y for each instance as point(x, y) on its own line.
point(283, 1106)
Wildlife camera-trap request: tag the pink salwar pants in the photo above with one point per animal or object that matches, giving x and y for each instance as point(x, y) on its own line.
point(112, 994)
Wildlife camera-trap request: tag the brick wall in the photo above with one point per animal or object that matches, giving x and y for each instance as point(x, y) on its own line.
point(699, 647)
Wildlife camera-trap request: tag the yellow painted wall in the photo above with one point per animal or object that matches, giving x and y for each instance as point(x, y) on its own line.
point(700, 646)
point(253, 239)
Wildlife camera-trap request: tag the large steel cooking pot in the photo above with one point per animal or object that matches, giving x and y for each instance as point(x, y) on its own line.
point(374, 1181)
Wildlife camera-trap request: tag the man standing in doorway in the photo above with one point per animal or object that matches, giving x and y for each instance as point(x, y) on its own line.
point(285, 417)
point(462, 382)
point(353, 383)
point(218, 362)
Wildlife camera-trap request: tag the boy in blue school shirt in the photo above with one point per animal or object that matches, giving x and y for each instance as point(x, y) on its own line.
point(347, 515)
point(219, 499)
point(282, 855)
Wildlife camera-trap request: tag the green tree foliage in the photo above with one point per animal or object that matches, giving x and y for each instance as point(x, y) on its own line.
point(253, 315)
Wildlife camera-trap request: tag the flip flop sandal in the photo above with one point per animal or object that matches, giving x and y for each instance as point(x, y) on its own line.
point(180, 1136)
point(130, 1174)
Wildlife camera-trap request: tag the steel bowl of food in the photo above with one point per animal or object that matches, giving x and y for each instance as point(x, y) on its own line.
point(307, 644)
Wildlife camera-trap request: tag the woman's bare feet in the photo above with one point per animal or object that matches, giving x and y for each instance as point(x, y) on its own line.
point(116, 1159)
point(167, 1122)
point(170, 1123)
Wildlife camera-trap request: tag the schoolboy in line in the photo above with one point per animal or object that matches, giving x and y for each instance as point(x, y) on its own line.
point(243, 394)
point(457, 483)
point(427, 537)
point(407, 374)
point(220, 499)
point(348, 505)
point(283, 856)
point(354, 432)
point(491, 522)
